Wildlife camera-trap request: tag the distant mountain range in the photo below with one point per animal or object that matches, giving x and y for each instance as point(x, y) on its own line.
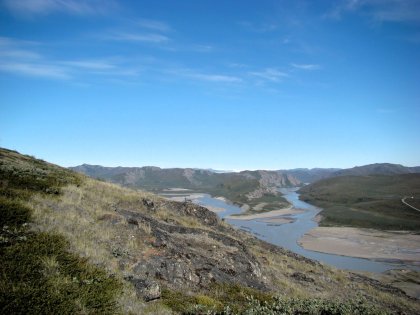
point(156, 178)
point(371, 201)
point(247, 187)
point(312, 175)
point(152, 177)
point(378, 169)
point(306, 175)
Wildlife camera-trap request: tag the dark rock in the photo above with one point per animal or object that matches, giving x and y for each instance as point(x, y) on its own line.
point(132, 221)
point(302, 277)
point(146, 289)
point(190, 257)
point(377, 284)
point(190, 209)
point(119, 252)
point(111, 218)
point(148, 203)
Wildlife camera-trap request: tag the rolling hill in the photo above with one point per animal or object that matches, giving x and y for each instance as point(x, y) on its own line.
point(367, 201)
point(378, 169)
point(312, 175)
point(244, 188)
point(306, 175)
point(74, 245)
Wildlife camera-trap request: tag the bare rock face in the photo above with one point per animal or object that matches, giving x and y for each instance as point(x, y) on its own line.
point(270, 181)
point(146, 289)
point(192, 257)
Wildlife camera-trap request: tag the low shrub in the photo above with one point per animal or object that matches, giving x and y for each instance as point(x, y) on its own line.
point(39, 276)
point(13, 213)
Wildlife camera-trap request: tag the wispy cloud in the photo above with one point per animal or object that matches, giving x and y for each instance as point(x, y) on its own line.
point(202, 48)
point(210, 77)
point(138, 37)
point(217, 78)
point(155, 25)
point(306, 66)
point(270, 74)
point(11, 48)
point(44, 7)
point(379, 10)
point(36, 70)
point(20, 58)
point(90, 64)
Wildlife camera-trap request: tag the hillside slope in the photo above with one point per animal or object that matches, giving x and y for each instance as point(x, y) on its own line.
point(366, 201)
point(305, 175)
point(144, 248)
point(378, 169)
point(244, 188)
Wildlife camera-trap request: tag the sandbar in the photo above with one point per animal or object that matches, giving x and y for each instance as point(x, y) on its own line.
point(270, 214)
point(277, 220)
point(401, 246)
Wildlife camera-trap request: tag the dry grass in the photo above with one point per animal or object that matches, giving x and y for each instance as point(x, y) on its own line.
point(86, 216)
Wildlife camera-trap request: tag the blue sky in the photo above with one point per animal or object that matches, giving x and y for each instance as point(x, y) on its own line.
point(221, 84)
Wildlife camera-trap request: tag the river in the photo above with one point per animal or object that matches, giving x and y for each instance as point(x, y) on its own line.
point(287, 235)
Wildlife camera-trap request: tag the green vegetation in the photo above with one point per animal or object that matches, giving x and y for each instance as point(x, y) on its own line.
point(236, 187)
point(54, 217)
point(38, 275)
point(292, 306)
point(22, 175)
point(366, 201)
point(13, 213)
point(233, 299)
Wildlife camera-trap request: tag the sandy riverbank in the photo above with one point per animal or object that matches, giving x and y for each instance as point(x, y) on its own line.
point(364, 243)
point(263, 215)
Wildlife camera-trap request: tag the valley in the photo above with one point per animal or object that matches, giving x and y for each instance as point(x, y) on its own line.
point(178, 254)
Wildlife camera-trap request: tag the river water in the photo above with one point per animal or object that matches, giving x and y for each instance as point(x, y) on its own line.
point(287, 235)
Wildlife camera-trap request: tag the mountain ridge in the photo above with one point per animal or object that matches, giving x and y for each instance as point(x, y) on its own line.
point(368, 201)
point(298, 175)
point(245, 188)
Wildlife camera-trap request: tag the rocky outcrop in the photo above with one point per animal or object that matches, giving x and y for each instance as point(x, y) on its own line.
point(188, 257)
point(269, 182)
point(146, 289)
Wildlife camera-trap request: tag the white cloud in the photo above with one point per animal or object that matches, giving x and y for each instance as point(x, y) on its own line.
point(37, 70)
point(380, 10)
point(270, 74)
point(221, 78)
point(202, 48)
point(43, 7)
point(90, 64)
point(19, 58)
point(217, 78)
point(153, 25)
point(138, 37)
point(12, 48)
point(306, 66)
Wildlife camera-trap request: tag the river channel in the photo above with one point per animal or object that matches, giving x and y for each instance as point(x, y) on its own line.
point(287, 235)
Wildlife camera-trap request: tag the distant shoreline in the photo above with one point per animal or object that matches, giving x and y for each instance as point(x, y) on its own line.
point(274, 214)
point(392, 246)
